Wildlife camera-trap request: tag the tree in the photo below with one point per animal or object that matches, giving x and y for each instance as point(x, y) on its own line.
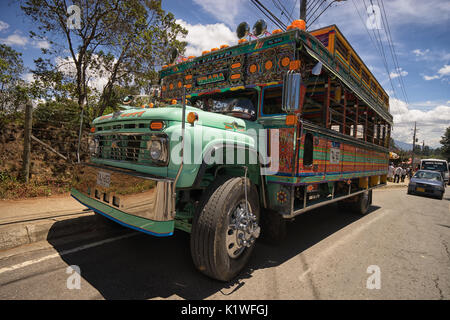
point(445, 141)
point(11, 68)
point(123, 40)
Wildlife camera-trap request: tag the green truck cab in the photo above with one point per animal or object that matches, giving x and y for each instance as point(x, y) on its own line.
point(234, 147)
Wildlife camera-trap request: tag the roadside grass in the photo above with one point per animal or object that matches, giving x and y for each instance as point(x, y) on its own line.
point(13, 188)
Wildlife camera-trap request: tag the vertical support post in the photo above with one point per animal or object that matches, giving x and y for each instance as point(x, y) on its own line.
point(355, 129)
point(303, 10)
point(378, 131)
point(366, 127)
point(26, 157)
point(344, 114)
point(80, 133)
point(327, 124)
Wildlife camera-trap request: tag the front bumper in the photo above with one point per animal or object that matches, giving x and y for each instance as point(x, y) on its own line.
point(135, 200)
point(429, 191)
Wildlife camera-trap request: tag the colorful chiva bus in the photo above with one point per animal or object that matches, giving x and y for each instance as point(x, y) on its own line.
point(337, 147)
point(332, 145)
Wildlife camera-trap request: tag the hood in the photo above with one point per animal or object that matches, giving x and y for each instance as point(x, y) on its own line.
point(426, 181)
point(174, 113)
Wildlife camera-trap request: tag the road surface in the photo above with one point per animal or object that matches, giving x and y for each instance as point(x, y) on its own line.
point(400, 250)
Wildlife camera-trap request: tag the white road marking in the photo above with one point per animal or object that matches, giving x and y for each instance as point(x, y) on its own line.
point(344, 239)
point(65, 252)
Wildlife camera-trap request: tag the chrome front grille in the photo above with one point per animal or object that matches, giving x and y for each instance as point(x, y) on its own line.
point(129, 147)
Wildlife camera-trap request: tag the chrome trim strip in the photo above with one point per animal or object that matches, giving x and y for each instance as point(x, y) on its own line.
point(317, 205)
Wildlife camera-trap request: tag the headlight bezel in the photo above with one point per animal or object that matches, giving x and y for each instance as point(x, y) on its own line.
point(162, 142)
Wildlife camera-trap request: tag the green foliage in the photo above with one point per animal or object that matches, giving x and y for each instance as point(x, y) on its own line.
point(121, 42)
point(57, 113)
point(445, 141)
point(14, 92)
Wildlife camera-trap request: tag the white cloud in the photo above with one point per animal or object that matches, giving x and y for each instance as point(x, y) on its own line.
point(398, 73)
point(421, 53)
point(431, 55)
point(428, 78)
point(28, 77)
point(3, 26)
point(202, 37)
point(17, 39)
point(225, 11)
point(14, 39)
point(431, 123)
point(41, 44)
point(442, 72)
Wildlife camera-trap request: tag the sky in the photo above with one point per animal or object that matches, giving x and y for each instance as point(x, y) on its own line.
point(419, 31)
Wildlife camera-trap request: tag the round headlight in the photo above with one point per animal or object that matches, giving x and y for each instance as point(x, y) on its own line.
point(155, 150)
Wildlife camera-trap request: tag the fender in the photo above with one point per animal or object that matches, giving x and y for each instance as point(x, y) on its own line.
point(210, 151)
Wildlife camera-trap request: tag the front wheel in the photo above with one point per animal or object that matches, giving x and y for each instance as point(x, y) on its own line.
point(225, 228)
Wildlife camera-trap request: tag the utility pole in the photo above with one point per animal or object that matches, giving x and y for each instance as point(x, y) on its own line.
point(303, 10)
point(414, 145)
point(27, 142)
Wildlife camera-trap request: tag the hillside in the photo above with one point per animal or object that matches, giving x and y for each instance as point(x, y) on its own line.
point(49, 173)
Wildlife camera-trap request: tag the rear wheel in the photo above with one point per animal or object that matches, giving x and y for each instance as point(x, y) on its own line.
point(225, 228)
point(358, 204)
point(363, 202)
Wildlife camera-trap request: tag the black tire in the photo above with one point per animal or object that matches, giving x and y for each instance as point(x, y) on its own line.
point(210, 226)
point(358, 204)
point(273, 227)
point(441, 196)
point(362, 203)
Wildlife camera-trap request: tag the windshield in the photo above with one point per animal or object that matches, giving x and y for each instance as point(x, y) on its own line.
point(241, 104)
point(428, 175)
point(434, 165)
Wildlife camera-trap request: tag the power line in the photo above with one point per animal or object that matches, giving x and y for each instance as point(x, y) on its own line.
point(383, 54)
point(326, 8)
point(392, 49)
point(317, 8)
point(295, 5)
point(269, 14)
point(283, 10)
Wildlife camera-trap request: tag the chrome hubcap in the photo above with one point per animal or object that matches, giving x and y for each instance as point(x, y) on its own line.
point(242, 229)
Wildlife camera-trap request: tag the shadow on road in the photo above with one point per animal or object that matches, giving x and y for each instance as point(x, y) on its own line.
point(143, 267)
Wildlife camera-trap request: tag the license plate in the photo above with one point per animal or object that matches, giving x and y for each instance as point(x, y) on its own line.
point(103, 179)
point(420, 189)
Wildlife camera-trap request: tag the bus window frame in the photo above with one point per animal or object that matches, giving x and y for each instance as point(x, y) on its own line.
point(262, 114)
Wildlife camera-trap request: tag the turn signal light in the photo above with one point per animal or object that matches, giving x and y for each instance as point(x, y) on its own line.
point(93, 129)
point(291, 120)
point(192, 117)
point(156, 125)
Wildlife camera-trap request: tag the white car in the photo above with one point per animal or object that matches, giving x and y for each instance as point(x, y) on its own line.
point(436, 165)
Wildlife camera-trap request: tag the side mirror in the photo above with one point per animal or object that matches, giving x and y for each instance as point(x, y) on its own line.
point(291, 91)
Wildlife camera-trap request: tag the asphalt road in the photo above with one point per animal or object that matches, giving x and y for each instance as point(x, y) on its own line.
point(404, 238)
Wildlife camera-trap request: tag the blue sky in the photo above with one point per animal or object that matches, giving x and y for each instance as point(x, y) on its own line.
point(420, 31)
